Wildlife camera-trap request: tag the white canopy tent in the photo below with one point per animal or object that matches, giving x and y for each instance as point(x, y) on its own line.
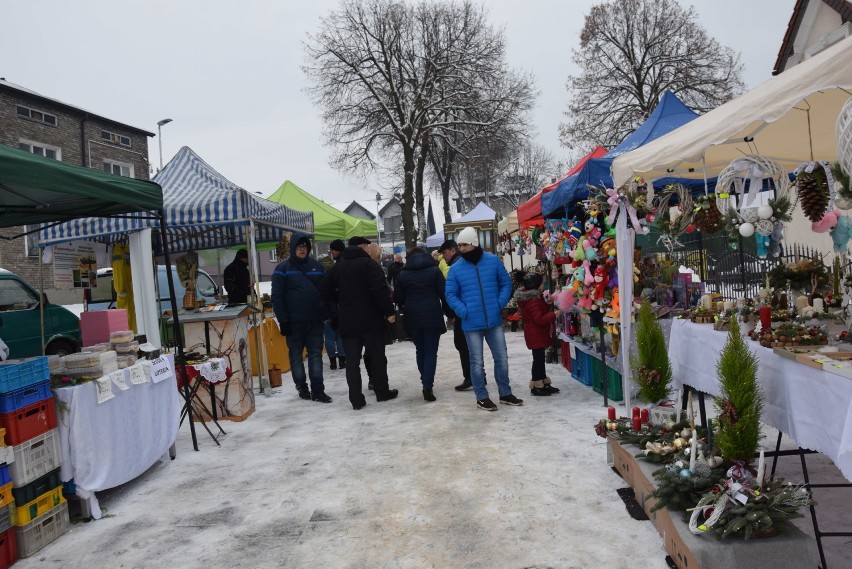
point(789, 118)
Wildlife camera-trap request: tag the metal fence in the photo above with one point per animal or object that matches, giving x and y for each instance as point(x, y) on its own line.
point(724, 270)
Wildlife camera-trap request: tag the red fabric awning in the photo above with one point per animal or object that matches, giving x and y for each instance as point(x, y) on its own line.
point(529, 212)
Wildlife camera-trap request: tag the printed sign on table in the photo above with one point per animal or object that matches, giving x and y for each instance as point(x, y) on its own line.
point(160, 369)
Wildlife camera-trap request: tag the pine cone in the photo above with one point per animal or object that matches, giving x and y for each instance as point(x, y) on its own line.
point(813, 193)
point(708, 220)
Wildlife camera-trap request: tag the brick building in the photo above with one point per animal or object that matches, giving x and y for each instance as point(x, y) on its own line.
point(60, 131)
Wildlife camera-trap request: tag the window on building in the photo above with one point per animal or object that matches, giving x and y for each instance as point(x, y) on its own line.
point(115, 138)
point(35, 115)
point(31, 241)
point(118, 168)
point(45, 150)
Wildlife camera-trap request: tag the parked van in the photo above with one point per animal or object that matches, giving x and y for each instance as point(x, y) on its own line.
point(20, 321)
point(103, 296)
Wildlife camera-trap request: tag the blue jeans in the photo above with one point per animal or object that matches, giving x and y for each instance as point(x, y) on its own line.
point(497, 344)
point(306, 335)
point(426, 343)
point(333, 341)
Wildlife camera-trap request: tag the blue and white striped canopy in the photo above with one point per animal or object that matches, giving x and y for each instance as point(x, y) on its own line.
point(203, 210)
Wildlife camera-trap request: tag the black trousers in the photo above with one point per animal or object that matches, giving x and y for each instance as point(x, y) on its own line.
point(461, 345)
point(374, 346)
point(538, 370)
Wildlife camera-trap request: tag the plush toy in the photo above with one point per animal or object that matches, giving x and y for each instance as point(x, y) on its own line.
point(613, 278)
point(589, 250)
point(601, 278)
point(578, 253)
point(762, 243)
point(842, 234)
point(590, 275)
point(564, 299)
point(574, 232)
point(577, 278)
point(614, 311)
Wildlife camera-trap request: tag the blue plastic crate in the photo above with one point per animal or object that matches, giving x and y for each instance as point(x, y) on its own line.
point(577, 366)
point(587, 378)
point(15, 374)
point(14, 400)
point(5, 477)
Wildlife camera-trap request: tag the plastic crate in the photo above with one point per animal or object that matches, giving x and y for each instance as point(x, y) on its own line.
point(42, 484)
point(41, 505)
point(614, 391)
point(36, 457)
point(587, 367)
point(7, 517)
point(6, 495)
point(577, 366)
point(43, 530)
point(14, 400)
point(565, 354)
point(28, 422)
point(8, 548)
point(15, 374)
point(5, 477)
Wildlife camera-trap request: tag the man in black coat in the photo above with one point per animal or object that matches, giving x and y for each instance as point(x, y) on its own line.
point(449, 249)
point(300, 311)
point(237, 279)
point(357, 285)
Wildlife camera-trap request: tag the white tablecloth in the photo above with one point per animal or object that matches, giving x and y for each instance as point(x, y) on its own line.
point(109, 444)
point(812, 406)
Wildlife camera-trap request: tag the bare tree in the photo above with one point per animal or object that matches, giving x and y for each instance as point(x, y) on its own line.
point(385, 75)
point(631, 52)
point(529, 169)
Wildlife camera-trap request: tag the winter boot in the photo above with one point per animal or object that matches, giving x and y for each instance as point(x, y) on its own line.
point(333, 361)
point(428, 395)
point(537, 387)
point(304, 392)
point(549, 387)
point(464, 385)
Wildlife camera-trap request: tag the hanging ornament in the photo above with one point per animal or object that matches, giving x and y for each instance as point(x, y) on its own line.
point(746, 229)
point(815, 184)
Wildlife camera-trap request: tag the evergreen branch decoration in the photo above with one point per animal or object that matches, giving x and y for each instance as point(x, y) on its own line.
point(652, 368)
point(842, 178)
point(741, 403)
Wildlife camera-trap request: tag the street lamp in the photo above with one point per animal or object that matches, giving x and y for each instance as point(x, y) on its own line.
point(378, 231)
point(160, 137)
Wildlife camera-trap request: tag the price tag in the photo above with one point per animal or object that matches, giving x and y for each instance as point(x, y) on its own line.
point(117, 378)
point(137, 374)
point(160, 370)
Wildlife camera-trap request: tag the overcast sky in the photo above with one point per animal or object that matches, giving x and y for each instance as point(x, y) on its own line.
point(228, 73)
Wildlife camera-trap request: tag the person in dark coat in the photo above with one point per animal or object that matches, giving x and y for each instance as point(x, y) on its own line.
point(420, 292)
point(357, 284)
point(237, 279)
point(300, 311)
point(538, 329)
point(393, 273)
point(333, 340)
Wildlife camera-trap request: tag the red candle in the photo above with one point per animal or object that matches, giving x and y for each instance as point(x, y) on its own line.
point(643, 415)
point(635, 412)
point(610, 413)
point(765, 317)
point(637, 423)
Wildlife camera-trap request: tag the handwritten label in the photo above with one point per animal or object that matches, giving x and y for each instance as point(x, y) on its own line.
point(117, 378)
point(137, 374)
point(160, 370)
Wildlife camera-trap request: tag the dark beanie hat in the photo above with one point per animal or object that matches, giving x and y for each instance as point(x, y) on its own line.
point(303, 240)
point(242, 254)
point(358, 240)
point(532, 281)
point(337, 245)
point(448, 244)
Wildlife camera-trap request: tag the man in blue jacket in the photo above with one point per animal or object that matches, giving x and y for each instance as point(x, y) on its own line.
point(478, 287)
point(300, 312)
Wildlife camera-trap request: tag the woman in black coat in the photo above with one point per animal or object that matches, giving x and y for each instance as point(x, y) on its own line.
point(420, 292)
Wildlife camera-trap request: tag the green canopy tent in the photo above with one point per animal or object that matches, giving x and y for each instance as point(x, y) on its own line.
point(37, 190)
point(34, 190)
point(329, 223)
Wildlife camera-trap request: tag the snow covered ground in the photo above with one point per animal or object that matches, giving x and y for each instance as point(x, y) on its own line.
point(398, 484)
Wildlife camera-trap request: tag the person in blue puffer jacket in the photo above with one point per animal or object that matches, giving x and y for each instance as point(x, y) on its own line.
point(478, 287)
point(300, 311)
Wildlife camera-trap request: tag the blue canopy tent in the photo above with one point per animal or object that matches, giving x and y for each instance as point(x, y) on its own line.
point(668, 115)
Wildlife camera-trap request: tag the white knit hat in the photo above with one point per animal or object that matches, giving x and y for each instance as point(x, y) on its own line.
point(468, 235)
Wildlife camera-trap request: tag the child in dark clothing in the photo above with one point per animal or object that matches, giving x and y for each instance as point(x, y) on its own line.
point(538, 329)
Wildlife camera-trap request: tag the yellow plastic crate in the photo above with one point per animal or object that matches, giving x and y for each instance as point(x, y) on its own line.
point(41, 505)
point(6, 494)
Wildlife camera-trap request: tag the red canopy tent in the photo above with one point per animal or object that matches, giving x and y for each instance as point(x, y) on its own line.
point(529, 212)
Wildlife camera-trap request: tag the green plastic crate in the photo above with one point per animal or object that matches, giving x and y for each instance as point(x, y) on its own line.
point(614, 391)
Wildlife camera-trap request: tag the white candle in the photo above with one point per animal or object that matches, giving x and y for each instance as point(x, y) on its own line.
point(818, 305)
point(689, 406)
point(729, 305)
point(693, 452)
point(707, 302)
point(760, 467)
point(801, 302)
point(740, 302)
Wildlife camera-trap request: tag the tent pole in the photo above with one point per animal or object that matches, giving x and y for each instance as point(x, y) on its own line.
point(180, 357)
point(260, 347)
